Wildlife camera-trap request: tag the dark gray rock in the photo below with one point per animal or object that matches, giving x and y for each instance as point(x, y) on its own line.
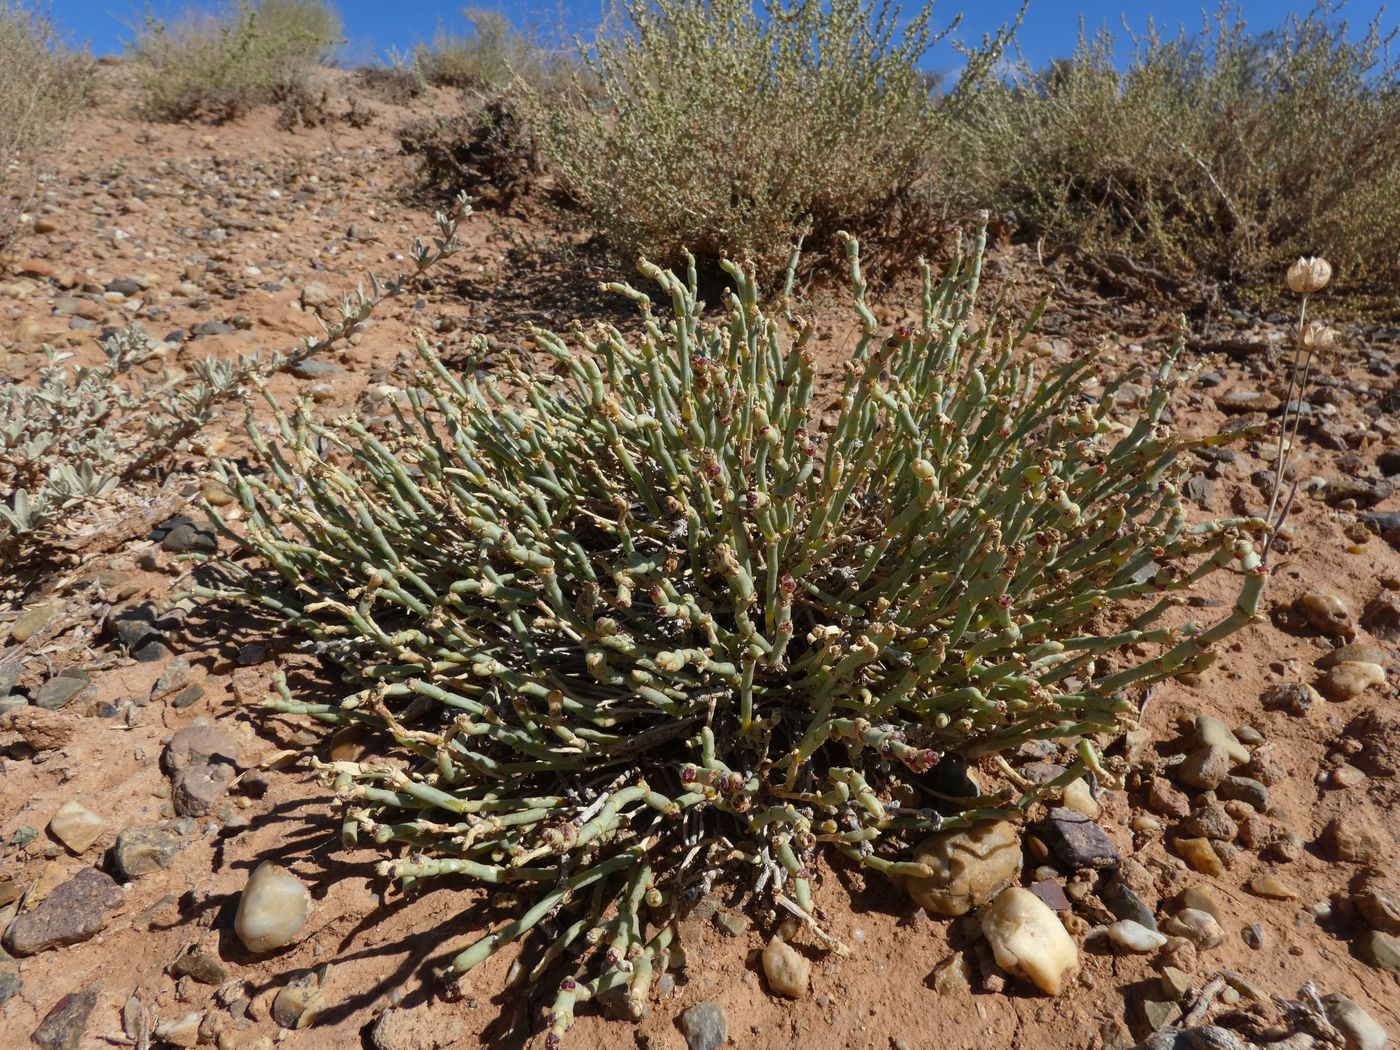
point(72, 913)
point(198, 965)
point(202, 762)
point(1125, 904)
point(314, 368)
point(9, 977)
point(1077, 841)
point(705, 1026)
point(65, 1025)
point(62, 688)
point(186, 538)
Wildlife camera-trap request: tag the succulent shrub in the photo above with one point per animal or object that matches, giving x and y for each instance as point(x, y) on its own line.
point(728, 127)
point(42, 85)
point(630, 620)
point(1225, 152)
point(217, 66)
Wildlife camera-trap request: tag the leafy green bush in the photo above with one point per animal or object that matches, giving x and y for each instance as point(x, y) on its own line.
point(42, 85)
point(218, 66)
point(629, 623)
point(492, 58)
point(723, 128)
point(1223, 152)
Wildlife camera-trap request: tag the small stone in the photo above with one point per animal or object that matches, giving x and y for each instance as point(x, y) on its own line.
point(33, 620)
point(314, 294)
point(416, 1029)
point(788, 972)
point(1210, 822)
point(272, 909)
point(1165, 799)
point(186, 538)
point(66, 1023)
point(1381, 617)
point(1382, 950)
point(705, 1027)
point(202, 762)
point(1378, 902)
point(182, 1031)
point(142, 850)
point(1124, 903)
point(1205, 768)
point(70, 914)
point(1345, 776)
point(1176, 984)
point(76, 826)
point(1360, 1031)
point(1253, 936)
point(1245, 789)
point(1052, 893)
point(1077, 841)
point(1199, 854)
point(953, 976)
point(1159, 1013)
point(1212, 732)
point(1350, 679)
point(1272, 888)
point(732, 923)
point(970, 867)
point(298, 1003)
point(1028, 940)
point(1135, 937)
point(200, 966)
point(1199, 898)
point(1355, 652)
point(216, 494)
point(1296, 698)
point(1351, 845)
point(1327, 613)
point(61, 689)
point(1198, 927)
point(1078, 797)
point(177, 674)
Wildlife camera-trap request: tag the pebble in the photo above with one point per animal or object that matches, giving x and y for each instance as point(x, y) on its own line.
point(1271, 887)
point(200, 966)
point(1135, 937)
point(1245, 789)
point(1200, 898)
point(1352, 845)
point(1253, 936)
point(33, 620)
point(1378, 902)
point(62, 688)
point(76, 826)
point(732, 923)
point(1077, 841)
point(1198, 927)
point(705, 1026)
point(1327, 613)
point(202, 762)
point(70, 914)
point(970, 867)
point(1209, 822)
point(1296, 698)
point(1078, 797)
point(272, 909)
point(1205, 768)
point(1028, 940)
point(1212, 732)
point(788, 973)
point(298, 1002)
point(9, 977)
point(1176, 984)
point(953, 975)
point(1349, 679)
point(1382, 950)
point(64, 1026)
point(1124, 903)
point(1360, 1031)
point(1167, 800)
point(141, 850)
point(1355, 652)
point(1200, 855)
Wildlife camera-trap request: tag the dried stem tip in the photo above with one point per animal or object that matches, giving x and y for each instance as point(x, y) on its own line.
point(1310, 275)
point(1317, 338)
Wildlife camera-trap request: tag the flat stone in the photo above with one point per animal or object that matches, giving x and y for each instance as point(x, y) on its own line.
point(314, 368)
point(1382, 950)
point(1077, 841)
point(1124, 903)
point(1351, 845)
point(1349, 679)
point(66, 1023)
point(1247, 790)
point(418, 1029)
point(1199, 854)
point(142, 850)
point(1354, 652)
point(184, 539)
point(705, 1026)
point(1199, 927)
point(199, 965)
point(1360, 1031)
point(70, 914)
point(177, 674)
point(76, 826)
point(62, 688)
point(1205, 768)
point(9, 977)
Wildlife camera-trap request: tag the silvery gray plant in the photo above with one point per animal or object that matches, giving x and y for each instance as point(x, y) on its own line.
point(635, 622)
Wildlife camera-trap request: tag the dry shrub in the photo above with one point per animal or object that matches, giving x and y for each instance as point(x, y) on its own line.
point(218, 66)
point(731, 127)
point(397, 83)
point(490, 59)
point(42, 84)
point(486, 150)
point(1222, 153)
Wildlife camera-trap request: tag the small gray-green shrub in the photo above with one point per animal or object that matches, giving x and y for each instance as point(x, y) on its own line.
point(490, 59)
point(632, 622)
point(42, 85)
point(217, 66)
point(1224, 153)
point(729, 128)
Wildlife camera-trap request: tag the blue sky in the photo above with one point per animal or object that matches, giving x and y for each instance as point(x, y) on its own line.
point(373, 26)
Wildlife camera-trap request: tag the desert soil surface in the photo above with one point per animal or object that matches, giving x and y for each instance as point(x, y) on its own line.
point(226, 240)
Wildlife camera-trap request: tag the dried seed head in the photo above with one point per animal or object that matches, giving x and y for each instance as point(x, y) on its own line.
point(1309, 275)
point(1317, 337)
